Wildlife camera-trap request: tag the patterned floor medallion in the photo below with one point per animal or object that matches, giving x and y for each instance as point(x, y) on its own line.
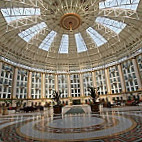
point(103, 127)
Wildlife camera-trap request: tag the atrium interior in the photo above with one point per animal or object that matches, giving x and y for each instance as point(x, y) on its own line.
point(71, 70)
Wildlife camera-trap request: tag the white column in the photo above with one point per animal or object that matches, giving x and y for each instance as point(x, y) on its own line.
point(94, 79)
point(69, 89)
point(81, 85)
point(107, 81)
point(29, 83)
point(43, 85)
point(69, 85)
point(137, 73)
point(121, 78)
point(56, 82)
point(14, 83)
point(0, 68)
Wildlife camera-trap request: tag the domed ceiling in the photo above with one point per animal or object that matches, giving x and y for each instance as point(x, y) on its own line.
point(67, 35)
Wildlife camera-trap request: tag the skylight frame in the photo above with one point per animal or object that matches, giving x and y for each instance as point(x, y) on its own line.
point(13, 14)
point(64, 45)
point(80, 43)
point(29, 33)
point(46, 43)
point(113, 25)
point(98, 39)
point(123, 4)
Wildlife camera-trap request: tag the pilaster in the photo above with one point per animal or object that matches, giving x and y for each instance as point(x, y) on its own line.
point(56, 82)
point(107, 81)
point(81, 85)
point(0, 68)
point(94, 79)
point(69, 85)
point(137, 73)
point(14, 83)
point(121, 78)
point(29, 83)
point(43, 85)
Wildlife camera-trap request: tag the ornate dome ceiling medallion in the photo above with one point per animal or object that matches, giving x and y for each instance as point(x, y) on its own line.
point(70, 21)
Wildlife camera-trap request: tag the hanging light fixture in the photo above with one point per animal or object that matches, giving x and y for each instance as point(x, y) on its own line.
point(70, 21)
point(70, 24)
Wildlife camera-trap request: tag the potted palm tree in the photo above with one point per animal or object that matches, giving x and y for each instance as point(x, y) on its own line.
point(56, 95)
point(94, 95)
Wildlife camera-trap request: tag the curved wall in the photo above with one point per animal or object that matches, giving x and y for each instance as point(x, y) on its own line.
point(113, 83)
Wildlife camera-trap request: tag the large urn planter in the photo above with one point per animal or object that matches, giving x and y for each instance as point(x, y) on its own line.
point(0, 109)
point(94, 95)
point(57, 109)
point(5, 111)
point(95, 107)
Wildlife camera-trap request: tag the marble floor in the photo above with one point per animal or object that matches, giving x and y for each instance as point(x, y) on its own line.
point(123, 124)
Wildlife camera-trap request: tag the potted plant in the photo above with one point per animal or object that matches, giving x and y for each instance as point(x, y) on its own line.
point(5, 109)
point(56, 95)
point(94, 95)
point(18, 103)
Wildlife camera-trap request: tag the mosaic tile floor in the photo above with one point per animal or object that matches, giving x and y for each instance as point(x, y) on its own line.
point(107, 126)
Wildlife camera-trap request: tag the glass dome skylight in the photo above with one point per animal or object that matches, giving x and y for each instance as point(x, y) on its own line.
point(116, 26)
point(78, 33)
point(124, 4)
point(64, 45)
point(28, 34)
point(46, 43)
point(98, 39)
point(12, 14)
point(81, 46)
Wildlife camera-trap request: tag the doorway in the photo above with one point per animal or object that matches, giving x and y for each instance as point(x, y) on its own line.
point(76, 102)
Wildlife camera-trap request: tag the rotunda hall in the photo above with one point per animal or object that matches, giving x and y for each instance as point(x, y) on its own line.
point(70, 70)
